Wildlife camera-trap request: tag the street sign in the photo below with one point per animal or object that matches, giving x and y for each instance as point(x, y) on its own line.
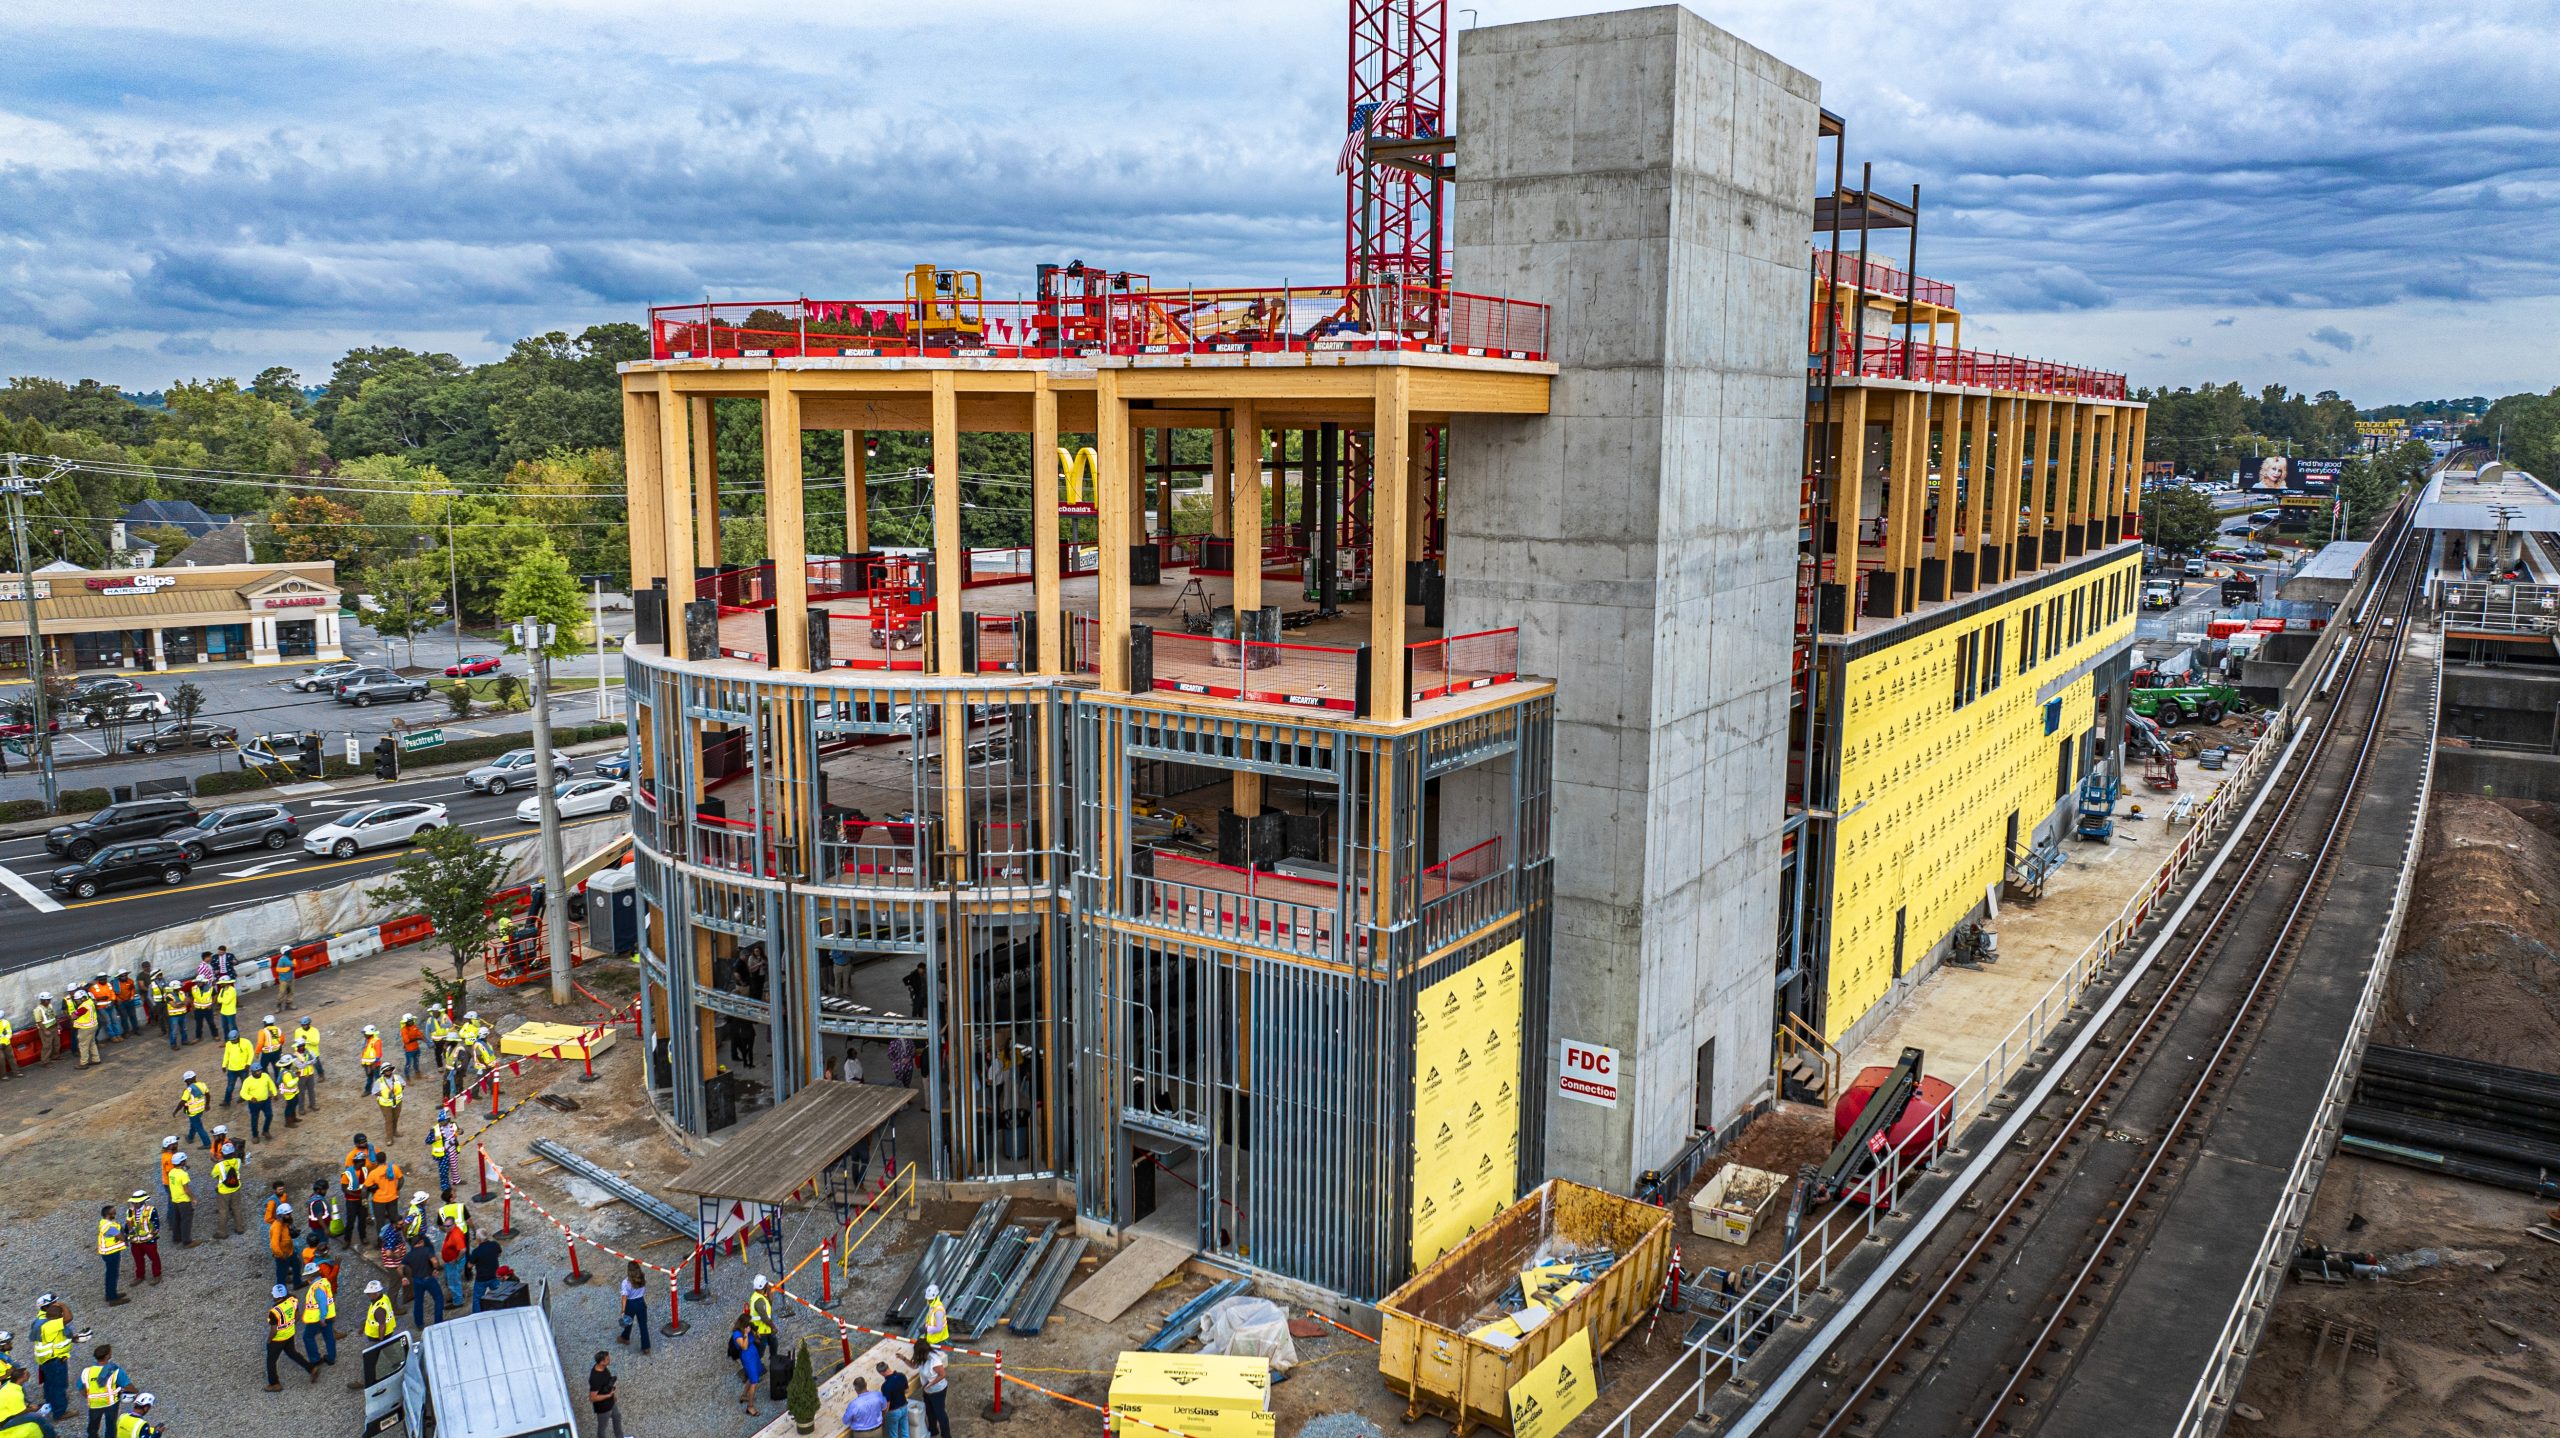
point(415, 740)
point(353, 752)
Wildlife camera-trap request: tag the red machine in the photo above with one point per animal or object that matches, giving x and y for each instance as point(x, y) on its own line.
point(1076, 302)
point(898, 604)
point(1915, 1129)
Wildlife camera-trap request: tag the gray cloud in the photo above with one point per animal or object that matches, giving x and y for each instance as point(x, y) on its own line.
point(2335, 338)
point(2306, 357)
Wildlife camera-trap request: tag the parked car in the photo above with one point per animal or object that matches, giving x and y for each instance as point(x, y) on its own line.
point(386, 689)
point(511, 770)
point(241, 826)
point(325, 679)
point(579, 798)
point(128, 706)
point(379, 828)
point(100, 686)
point(194, 734)
point(616, 765)
point(2253, 551)
point(471, 664)
point(132, 819)
point(360, 674)
point(2226, 556)
point(2194, 568)
point(137, 861)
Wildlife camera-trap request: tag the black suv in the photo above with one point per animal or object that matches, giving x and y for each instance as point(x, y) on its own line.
point(133, 819)
point(138, 862)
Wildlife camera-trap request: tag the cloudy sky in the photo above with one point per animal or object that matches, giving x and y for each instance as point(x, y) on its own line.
point(2331, 195)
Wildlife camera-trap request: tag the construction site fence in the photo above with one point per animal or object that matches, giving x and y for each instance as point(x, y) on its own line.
point(1460, 662)
point(1301, 676)
point(1385, 315)
point(1831, 1240)
point(1839, 267)
point(1884, 357)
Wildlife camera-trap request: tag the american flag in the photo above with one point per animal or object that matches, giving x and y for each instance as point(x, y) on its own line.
point(1364, 118)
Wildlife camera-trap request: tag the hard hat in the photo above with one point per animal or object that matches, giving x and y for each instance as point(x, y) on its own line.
point(932, 1291)
point(137, 1195)
point(419, 1197)
point(44, 993)
point(471, 1013)
point(143, 1400)
point(7, 1338)
point(370, 1029)
point(762, 1283)
point(268, 1019)
point(311, 1270)
point(306, 1019)
point(222, 1128)
point(178, 1160)
point(172, 1140)
point(280, 1291)
point(374, 1287)
point(190, 1075)
point(44, 1300)
point(405, 1018)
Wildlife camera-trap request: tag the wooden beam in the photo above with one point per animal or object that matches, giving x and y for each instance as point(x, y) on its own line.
point(1978, 487)
point(706, 482)
point(950, 559)
point(1848, 490)
point(1111, 508)
point(2141, 451)
point(1221, 484)
point(644, 481)
point(1044, 525)
point(675, 449)
point(2009, 452)
point(1949, 426)
point(1390, 482)
point(857, 491)
point(1245, 523)
point(786, 531)
point(1910, 478)
point(2090, 478)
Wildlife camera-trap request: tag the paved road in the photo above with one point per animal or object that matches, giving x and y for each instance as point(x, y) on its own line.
point(37, 924)
point(256, 701)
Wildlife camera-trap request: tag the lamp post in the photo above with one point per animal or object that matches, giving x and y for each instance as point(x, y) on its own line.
point(453, 574)
point(535, 638)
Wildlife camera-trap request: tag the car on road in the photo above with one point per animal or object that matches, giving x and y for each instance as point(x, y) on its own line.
point(2226, 556)
point(377, 828)
point(2253, 551)
point(139, 861)
point(513, 770)
point(132, 819)
point(325, 678)
point(241, 826)
point(471, 664)
point(193, 734)
point(579, 798)
point(616, 765)
point(22, 725)
point(386, 688)
point(99, 686)
point(2194, 567)
point(125, 707)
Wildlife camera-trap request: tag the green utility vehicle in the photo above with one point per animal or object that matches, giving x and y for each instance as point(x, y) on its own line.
point(2208, 702)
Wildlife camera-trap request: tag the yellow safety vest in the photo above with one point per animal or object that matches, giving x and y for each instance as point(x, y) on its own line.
point(110, 1237)
point(53, 1340)
point(280, 1327)
point(760, 1312)
point(289, 1081)
point(308, 1036)
point(101, 1389)
point(319, 1305)
point(390, 1093)
point(270, 1039)
point(6, 1032)
point(227, 999)
point(237, 1054)
point(141, 1224)
point(372, 1049)
point(199, 997)
point(84, 1015)
point(133, 1425)
point(13, 1400)
point(455, 1215)
point(180, 1186)
point(937, 1323)
point(196, 1099)
point(226, 1175)
point(257, 1088)
point(379, 1320)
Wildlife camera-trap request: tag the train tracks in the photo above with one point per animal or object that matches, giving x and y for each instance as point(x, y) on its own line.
point(1985, 1330)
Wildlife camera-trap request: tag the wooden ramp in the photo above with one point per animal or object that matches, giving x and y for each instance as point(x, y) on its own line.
point(1128, 1277)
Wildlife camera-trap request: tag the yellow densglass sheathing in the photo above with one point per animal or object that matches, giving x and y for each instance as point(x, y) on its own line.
point(1927, 787)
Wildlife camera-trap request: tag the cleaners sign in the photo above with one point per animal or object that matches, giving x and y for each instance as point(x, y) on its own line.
point(1588, 1072)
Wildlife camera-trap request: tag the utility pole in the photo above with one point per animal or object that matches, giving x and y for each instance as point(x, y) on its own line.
point(534, 638)
point(19, 486)
point(601, 716)
point(453, 577)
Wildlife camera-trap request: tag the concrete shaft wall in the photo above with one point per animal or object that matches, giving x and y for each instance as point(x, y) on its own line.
point(1652, 177)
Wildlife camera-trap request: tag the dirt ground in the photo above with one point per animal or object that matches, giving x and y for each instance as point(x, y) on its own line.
point(2478, 971)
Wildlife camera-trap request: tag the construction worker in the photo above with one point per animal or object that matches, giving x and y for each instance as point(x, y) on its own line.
point(54, 1338)
point(307, 1034)
point(17, 1418)
point(226, 1005)
point(288, 1083)
point(282, 1324)
point(280, 1244)
point(226, 1198)
point(936, 1326)
point(321, 1214)
point(440, 1034)
point(168, 1150)
point(452, 1212)
point(452, 1059)
point(138, 1424)
point(319, 1314)
point(182, 1202)
point(270, 1041)
point(8, 1048)
point(760, 1314)
point(238, 1054)
point(307, 1059)
point(200, 1015)
point(193, 1099)
point(84, 1026)
point(382, 1180)
point(411, 1038)
point(381, 1320)
point(170, 998)
point(42, 1019)
point(281, 968)
point(258, 1091)
point(142, 1235)
point(444, 1144)
point(128, 1001)
point(62, 1036)
point(369, 1055)
point(352, 1197)
point(102, 996)
point(388, 1091)
point(102, 1384)
point(111, 1249)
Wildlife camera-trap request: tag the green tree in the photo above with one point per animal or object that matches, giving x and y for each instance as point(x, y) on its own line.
point(541, 587)
point(407, 589)
point(2174, 517)
point(310, 528)
point(448, 878)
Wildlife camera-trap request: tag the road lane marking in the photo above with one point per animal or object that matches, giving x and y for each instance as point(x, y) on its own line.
point(254, 870)
point(37, 899)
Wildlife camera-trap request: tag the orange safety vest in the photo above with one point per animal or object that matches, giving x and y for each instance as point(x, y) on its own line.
point(372, 1049)
point(270, 1039)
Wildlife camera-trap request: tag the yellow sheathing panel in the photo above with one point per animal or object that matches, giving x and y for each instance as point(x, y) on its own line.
point(1927, 788)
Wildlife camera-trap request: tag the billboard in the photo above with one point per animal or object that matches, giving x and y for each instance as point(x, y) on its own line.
point(2271, 473)
point(2280, 474)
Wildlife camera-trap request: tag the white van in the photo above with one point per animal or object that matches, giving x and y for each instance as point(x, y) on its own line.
point(488, 1375)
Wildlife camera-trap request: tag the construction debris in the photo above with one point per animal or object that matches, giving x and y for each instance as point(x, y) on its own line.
point(554, 1151)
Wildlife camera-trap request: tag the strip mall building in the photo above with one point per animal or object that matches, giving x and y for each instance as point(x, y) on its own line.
point(151, 619)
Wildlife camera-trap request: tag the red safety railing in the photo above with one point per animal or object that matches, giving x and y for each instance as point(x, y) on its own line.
point(1877, 277)
point(1229, 902)
point(1084, 644)
point(1264, 319)
point(1461, 662)
point(873, 851)
point(1884, 357)
point(1306, 676)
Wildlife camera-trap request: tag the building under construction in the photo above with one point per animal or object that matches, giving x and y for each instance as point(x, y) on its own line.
point(1302, 865)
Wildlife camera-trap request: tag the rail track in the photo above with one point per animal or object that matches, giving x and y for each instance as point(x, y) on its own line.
point(1983, 1331)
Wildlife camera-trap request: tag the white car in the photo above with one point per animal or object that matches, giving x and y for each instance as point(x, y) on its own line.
point(579, 798)
point(377, 828)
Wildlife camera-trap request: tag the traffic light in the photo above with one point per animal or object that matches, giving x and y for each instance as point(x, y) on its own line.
point(386, 758)
point(311, 755)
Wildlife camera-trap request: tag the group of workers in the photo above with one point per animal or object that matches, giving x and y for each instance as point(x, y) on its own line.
point(108, 1399)
point(200, 1006)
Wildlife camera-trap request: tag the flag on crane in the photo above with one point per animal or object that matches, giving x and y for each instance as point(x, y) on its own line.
point(1364, 118)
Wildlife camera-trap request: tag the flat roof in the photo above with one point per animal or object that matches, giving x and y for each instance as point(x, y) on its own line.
point(2493, 495)
point(788, 1149)
point(2341, 560)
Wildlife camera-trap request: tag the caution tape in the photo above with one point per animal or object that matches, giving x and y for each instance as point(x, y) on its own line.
point(1109, 1414)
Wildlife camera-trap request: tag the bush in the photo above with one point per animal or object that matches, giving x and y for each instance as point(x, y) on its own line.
point(18, 811)
point(85, 801)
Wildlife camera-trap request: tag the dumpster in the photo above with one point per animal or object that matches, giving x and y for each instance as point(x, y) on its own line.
point(1456, 1339)
point(1731, 1205)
